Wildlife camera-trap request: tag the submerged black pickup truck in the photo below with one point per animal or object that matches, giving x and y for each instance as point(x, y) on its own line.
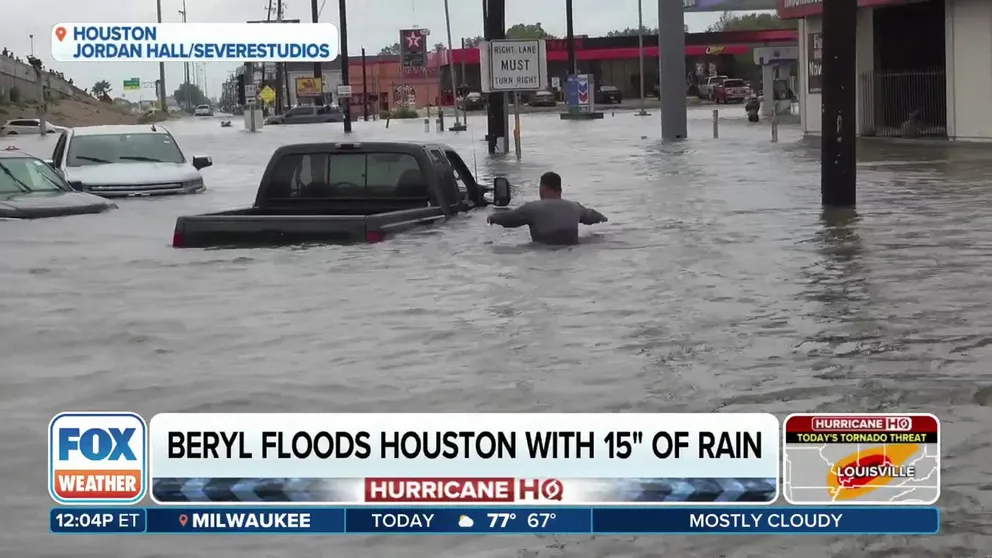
point(346, 193)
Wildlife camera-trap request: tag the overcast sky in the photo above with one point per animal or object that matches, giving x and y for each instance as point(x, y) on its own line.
point(371, 24)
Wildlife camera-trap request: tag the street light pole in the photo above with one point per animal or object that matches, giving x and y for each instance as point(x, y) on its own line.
point(32, 44)
point(161, 66)
point(189, 101)
point(640, 53)
point(451, 63)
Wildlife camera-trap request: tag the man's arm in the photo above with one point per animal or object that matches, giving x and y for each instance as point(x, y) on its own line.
point(510, 218)
point(591, 216)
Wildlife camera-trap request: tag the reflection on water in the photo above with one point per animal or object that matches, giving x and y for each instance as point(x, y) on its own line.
point(716, 285)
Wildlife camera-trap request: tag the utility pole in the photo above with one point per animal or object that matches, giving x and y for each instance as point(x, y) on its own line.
point(838, 153)
point(343, 16)
point(161, 67)
point(640, 54)
point(189, 102)
point(318, 70)
point(451, 63)
point(281, 95)
point(570, 38)
point(365, 90)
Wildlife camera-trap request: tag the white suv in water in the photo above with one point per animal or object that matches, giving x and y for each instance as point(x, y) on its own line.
point(122, 161)
point(203, 110)
point(27, 126)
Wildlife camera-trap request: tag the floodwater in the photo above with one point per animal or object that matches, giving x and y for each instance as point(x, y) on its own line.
point(717, 285)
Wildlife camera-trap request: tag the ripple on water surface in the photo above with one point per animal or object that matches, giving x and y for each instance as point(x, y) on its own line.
point(717, 285)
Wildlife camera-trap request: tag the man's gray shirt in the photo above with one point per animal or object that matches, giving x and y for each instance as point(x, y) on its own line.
point(551, 221)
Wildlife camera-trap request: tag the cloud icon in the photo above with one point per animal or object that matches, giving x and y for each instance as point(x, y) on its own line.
point(465, 521)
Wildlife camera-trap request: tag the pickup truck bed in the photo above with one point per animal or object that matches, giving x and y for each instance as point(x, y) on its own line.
point(256, 226)
point(307, 194)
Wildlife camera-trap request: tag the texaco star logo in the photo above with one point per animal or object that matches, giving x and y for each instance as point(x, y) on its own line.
point(413, 40)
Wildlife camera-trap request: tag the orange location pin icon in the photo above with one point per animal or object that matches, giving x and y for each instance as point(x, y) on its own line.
point(60, 33)
point(183, 518)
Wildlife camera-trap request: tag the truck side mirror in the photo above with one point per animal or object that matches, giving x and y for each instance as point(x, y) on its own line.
point(501, 192)
point(200, 163)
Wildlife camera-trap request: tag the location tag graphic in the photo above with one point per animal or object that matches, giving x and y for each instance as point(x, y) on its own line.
point(183, 518)
point(60, 33)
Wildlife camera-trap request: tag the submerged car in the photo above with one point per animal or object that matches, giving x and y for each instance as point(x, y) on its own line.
point(308, 115)
point(31, 189)
point(122, 161)
point(203, 110)
point(473, 101)
point(27, 126)
point(542, 99)
point(608, 95)
point(346, 193)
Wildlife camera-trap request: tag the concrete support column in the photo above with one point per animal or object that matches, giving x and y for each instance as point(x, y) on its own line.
point(768, 89)
point(838, 165)
point(671, 69)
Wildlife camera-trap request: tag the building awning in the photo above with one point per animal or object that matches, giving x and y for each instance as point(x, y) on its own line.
point(626, 53)
point(695, 6)
point(793, 9)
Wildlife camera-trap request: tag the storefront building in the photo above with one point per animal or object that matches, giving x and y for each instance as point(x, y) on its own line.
point(615, 60)
point(922, 67)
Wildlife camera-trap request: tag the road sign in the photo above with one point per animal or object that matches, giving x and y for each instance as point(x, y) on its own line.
point(132, 84)
point(250, 91)
point(514, 65)
point(309, 86)
point(267, 95)
point(344, 91)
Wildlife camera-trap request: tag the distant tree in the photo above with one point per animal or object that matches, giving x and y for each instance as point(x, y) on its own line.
point(440, 46)
point(391, 50)
point(189, 95)
point(474, 41)
point(733, 21)
point(100, 88)
point(632, 32)
point(528, 31)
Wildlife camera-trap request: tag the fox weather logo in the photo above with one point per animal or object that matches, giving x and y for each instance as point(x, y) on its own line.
point(97, 458)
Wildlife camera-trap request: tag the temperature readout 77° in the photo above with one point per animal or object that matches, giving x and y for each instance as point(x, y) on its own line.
point(534, 520)
point(621, 444)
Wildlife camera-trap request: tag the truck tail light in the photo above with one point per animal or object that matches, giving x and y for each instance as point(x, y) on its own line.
point(178, 239)
point(373, 237)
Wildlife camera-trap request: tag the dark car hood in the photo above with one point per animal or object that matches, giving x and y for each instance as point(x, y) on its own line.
point(51, 204)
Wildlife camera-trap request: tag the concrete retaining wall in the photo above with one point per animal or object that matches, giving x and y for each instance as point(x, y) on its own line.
point(22, 76)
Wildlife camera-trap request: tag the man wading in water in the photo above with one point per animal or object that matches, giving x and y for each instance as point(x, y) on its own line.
point(552, 220)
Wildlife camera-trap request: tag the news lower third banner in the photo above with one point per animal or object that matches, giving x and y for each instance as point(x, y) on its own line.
point(490, 459)
point(430, 459)
point(473, 520)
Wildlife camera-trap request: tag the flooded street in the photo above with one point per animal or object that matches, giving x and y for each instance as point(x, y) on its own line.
point(717, 285)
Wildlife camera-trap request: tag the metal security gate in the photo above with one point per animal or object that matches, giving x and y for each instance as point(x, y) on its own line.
point(903, 104)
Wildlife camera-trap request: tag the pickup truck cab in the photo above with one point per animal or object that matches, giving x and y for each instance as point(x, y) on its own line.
point(345, 193)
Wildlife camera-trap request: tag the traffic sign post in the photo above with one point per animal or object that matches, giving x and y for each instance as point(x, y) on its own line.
point(512, 66)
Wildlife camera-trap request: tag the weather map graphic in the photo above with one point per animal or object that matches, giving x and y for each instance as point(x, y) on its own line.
point(861, 459)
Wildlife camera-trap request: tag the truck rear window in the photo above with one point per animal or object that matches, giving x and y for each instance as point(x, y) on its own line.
point(348, 175)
